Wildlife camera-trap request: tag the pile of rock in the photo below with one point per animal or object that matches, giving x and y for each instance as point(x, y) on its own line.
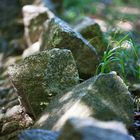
point(48, 85)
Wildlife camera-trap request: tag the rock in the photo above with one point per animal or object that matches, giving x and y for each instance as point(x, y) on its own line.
point(104, 97)
point(33, 49)
point(91, 129)
point(91, 31)
point(58, 34)
point(38, 134)
point(13, 122)
point(10, 127)
point(40, 77)
point(33, 18)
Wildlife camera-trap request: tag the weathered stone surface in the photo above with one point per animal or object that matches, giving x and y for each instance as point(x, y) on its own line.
point(104, 97)
point(91, 129)
point(58, 34)
point(13, 121)
point(34, 17)
point(41, 76)
point(91, 31)
point(38, 134)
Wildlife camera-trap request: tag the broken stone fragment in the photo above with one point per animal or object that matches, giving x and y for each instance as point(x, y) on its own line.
point(104, 97)
point(91, 31)
point(58, 34)
point(91, 129)
point(33, 18)
point(40, 77)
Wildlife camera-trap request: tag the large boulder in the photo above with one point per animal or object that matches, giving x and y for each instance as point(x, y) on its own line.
point(104, 97)
point(33, 18)
point(40, 77)
point(91, 31)
point(58, 34)
point(91, 129)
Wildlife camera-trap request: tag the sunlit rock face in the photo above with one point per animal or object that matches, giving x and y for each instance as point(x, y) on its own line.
point(104, 97)
point(40, 77)
point(91, 31)
point(91, 129)
point(33, 49)
point(34, 17)
point(58, 34)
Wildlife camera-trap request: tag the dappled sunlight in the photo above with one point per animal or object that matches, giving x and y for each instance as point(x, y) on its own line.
point(64, 59)
point(78, 109)
point(42, 119)
point(117, 111)
point(104, 26)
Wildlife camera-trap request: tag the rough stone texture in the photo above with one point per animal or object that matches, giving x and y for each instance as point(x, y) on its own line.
point(91, 31)
point(38, 134)
point(40, 77)
point(58, 34)
point(90, 129)
point(34, 17)
point(13, 121)
point(104, 97)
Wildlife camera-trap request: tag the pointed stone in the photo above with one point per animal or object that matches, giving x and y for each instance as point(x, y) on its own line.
point(104, 97)
point(40, 77)
point(58, 34)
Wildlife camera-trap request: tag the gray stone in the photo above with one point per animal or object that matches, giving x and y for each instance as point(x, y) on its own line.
point(104, 97)
point(91, 129)
point(40, 77)
point(91, 31)
point(38, 134)
point(58, 34)
point(33, 18)
point(13, 122)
